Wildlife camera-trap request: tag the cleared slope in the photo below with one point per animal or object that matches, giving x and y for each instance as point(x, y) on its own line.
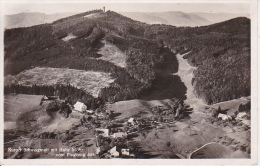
point(112, 54)
point(221, 53)
point(89, 81)
point(136, 107)
point(186, 74)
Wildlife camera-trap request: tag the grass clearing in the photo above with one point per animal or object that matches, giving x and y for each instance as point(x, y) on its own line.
point(112, 54)
point(70, 36)
point(130, 108)
point(14, 105)
point(60, 124)
point(231, 104)
point(93, 15)
point(90, 81)
point(185, 72)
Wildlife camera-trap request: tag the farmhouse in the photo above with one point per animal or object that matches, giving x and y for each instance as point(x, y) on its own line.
point(80, 107)
point(113, 152)
point(224, 117)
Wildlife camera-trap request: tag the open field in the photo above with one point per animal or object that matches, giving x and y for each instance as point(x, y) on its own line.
point(231, 104)
point(211, 150)
point(136, 107)
point(89, 81)
point(179, 139)
point(60, 124)
point(14, 105)
point(112, 54)
point(82, 138)
point(185, 137)
point(29, 117)
point(70, 36)
point(93, 15)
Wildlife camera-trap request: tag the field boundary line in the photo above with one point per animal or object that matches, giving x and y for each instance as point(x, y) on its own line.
point(189, 156)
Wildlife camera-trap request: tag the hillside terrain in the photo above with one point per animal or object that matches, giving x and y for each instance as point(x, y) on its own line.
point(222, 59)
point(146, 91)
point(221, 53)
point(155, 133)
point(52, 76)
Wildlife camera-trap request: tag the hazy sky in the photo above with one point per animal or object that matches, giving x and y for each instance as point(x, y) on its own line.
point(81, 6)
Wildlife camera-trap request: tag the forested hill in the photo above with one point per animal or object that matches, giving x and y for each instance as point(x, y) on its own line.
point(220, 51)
point(222, 54)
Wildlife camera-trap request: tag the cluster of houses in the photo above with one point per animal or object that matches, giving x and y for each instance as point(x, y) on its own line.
point(115, 151)
point(105, 133)
point(110, 129)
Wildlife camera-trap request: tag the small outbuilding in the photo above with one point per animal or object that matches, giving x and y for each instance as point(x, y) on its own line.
point(90, 112)
point(119, 135)
point(125, 152)
point(45, 98)
point(103, 132)
point(114, 152)
point(132, 121)
point(80, 107)
point(98, 150)
point(241, 115)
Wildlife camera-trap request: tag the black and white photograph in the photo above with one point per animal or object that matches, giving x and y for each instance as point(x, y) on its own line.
point(128, 80)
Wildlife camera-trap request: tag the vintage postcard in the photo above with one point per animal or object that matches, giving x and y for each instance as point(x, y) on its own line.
point(129, 82)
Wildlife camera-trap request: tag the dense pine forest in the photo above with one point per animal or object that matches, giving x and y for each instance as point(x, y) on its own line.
point(221, 53)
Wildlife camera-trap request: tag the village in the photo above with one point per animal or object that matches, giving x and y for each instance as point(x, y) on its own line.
point(132, 129)
point(115, 138)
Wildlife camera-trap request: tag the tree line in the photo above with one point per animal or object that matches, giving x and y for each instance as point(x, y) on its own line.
point(68, 93)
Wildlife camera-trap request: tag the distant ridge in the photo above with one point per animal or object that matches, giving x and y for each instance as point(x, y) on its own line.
point(178, 18)
point(31, 19)
point(175, 18)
